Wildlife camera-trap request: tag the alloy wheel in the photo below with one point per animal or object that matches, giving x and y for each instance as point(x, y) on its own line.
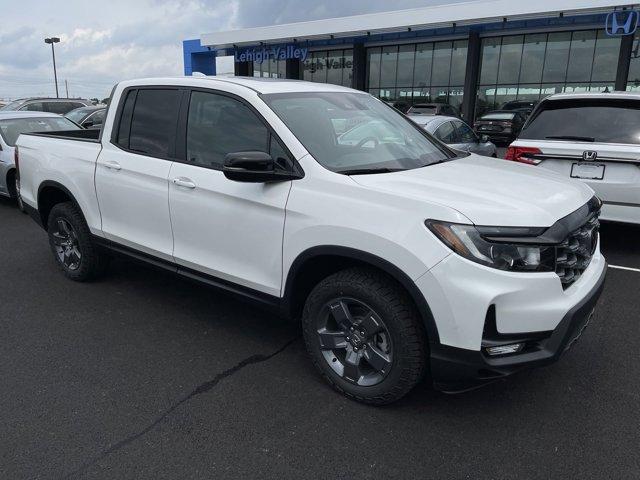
point(354, 341)
point(66, 244)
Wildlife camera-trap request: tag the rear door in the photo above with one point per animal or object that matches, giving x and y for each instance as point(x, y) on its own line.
point(133, 169)
point(595, 140)
point(230, 230)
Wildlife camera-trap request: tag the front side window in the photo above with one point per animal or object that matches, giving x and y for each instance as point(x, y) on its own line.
point(347, 131)
point(464, 133)
point(446, 133)
point(98, 117)
point(34, 107)
point(11, 129)
point(219, 125)
point(153, 123)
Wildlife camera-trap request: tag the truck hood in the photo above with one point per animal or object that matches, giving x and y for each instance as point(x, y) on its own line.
point(488, 191)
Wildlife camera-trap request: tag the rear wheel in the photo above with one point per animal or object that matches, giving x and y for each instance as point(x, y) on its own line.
point(71, 244)
point(365, 336)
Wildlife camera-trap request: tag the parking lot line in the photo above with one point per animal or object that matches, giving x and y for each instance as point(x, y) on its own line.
point(618, 267)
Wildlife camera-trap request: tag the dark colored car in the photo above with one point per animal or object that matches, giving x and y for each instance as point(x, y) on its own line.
point(501, 126)
point(88, 117)
point(522, 106)
point(51, 105)
point(434, 109)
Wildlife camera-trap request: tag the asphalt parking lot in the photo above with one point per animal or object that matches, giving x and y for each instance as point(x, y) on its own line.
point(143, 375)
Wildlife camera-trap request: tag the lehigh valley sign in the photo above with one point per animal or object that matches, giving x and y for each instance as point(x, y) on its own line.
point(259, 55)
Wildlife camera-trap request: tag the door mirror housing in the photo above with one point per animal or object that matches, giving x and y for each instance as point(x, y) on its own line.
point(87, 124)
point(254, 167)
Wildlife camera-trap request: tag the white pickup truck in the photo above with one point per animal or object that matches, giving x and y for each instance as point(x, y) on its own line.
point(401, 257)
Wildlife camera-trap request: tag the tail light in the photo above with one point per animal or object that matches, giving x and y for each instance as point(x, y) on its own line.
point(523, 155)
point(16, 159)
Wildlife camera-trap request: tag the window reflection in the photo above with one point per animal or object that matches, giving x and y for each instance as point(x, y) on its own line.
point(332, 66)
point(533, 66)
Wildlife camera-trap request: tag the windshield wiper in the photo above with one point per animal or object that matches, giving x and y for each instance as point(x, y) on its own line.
point(366, 171)
point(571, 137)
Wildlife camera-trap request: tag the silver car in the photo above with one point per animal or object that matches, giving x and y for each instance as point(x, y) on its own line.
point(12, 124)
point(455, 133)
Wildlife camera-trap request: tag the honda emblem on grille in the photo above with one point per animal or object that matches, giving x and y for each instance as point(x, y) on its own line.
point(589, 155)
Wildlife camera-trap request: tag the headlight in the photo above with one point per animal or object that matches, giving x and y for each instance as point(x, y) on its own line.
point(468, 241)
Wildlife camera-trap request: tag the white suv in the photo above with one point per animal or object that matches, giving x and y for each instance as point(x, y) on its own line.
point(400, 256)
point(592, 137)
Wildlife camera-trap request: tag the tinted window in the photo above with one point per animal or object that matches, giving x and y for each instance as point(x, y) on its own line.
point(11, 129)
point(153, 124)
point(219, 125)
point(125, 119)
point(60, 107)
point(34, 107)
point(607, 121)
point(446, 133)
point(464, 133)
point(78, 114)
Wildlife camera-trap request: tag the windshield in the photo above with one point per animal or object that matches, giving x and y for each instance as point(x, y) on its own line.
point(11, 129)
point(11, 106)
point(346, 132)
point(593, 120)
point(78, 114)
point(498, 116)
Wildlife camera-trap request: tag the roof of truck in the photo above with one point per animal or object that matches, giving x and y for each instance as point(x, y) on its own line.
point(257, 84)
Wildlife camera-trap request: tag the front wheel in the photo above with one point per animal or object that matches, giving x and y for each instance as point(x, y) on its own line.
point(365, 336)
point(70, 241)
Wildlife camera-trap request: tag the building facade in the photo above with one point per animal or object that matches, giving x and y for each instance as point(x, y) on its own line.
point(474, 55)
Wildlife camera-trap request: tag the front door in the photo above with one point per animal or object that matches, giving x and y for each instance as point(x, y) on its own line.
point(227, 229)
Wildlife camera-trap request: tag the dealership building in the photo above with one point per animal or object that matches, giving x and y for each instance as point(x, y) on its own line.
point(475, 55)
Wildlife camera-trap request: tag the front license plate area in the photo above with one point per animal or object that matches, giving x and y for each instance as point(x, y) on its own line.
point(588, 171)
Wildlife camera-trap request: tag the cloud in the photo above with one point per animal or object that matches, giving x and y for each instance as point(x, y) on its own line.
point(105, 42)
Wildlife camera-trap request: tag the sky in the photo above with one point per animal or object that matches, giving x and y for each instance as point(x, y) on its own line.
point(103, 42)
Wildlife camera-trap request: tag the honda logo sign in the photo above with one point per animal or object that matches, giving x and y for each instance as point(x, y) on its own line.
point(589, 155)
point(623, 22)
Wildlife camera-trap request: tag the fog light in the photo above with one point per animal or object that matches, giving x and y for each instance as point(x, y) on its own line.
point(504, 349)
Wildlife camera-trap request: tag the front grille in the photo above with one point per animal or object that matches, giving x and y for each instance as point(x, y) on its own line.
point(573, 256)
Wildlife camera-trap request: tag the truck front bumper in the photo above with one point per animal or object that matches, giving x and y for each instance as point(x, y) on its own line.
point(458, 369)
point(476, 307)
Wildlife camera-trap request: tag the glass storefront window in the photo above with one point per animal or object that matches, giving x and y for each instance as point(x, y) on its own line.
point(583, 45)
point(510, 57)
point(418, 73)
point(605, 60)
point(270, 68)
point(633, 79)
point(557, 57)
point(533, 58)
point(532, 66)
point(333, 66)
point(422, 67)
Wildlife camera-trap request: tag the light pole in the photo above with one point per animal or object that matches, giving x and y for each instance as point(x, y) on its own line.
point(53, 40)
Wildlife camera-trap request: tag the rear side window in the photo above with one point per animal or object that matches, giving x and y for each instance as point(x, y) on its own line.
point(124, 125)
point(60, 107)
point(589, 120)
point(219, 125)
point(153, 123)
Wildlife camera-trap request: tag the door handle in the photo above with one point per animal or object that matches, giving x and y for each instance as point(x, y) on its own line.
point(184, 182)
point(112, 165)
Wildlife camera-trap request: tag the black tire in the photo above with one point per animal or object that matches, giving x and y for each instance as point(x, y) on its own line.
point(91, 263)
point(393, 306)
point(13, 184)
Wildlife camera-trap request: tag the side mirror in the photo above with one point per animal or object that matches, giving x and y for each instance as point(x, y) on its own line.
point(87, 124)
point(484, 138)
point(254, 167)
